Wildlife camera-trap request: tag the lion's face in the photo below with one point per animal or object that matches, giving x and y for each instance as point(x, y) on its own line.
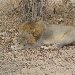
point(30, 31)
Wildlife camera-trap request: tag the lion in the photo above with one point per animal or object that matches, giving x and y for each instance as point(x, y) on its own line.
point(40, 33)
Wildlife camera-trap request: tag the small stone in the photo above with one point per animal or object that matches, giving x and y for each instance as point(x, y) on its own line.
point(42, 47)
point(46, 47)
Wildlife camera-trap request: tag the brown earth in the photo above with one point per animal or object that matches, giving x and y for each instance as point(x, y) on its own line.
point(37, 61)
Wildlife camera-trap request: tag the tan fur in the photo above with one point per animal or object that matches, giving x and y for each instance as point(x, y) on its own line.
point(29, 33)
point(33, 29)
point(60, 35)
point(41, 33)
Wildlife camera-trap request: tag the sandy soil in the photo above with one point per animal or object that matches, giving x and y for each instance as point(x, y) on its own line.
point(37, 61)
point(33, 61)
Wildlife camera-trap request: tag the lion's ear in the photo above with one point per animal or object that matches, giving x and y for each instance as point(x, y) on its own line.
point(39, 22)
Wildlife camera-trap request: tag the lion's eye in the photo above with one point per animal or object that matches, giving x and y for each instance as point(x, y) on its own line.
point(19, 43)
point(24, 45)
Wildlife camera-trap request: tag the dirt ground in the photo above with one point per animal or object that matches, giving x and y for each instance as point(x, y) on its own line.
point(37, 61)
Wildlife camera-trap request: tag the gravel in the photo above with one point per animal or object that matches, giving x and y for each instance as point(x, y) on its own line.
point(33, 61)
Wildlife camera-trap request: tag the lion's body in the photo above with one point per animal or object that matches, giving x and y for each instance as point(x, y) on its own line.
point(38, 33)
point(60, 35)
